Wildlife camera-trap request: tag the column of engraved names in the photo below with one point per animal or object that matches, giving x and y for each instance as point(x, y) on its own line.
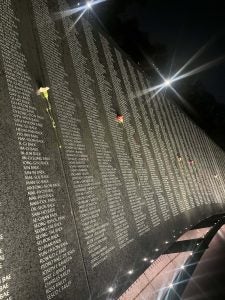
point(189, 158)
point(172, 149)
point(180, 199)
point(112, 187)
point(109, 177)
point(179, 190)
point(118, 135)
point(204, 166)
point(163, 205)
point(212, 181)
point(197, 154)
point(5, 277)
point(215, 173)
point(175, 113)
point(178, 155)
point(220, 162)
point(203, 171)
point(192, 143)
point(85, 185)
point(53, 251)
point(149, 157)
point(161, 155)
point(219, 157)
point(125, 168)
point(178, 149)
point(136, 153)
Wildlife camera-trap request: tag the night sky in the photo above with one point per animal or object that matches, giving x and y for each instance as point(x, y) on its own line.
point(179, 27)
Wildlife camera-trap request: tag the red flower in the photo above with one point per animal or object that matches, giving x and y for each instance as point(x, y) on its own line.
point(120, 119)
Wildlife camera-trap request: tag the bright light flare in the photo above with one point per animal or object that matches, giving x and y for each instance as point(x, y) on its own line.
point(201, 68)
point(89, 4)
point(194, 57)
point(167, 82)
point(81, 8)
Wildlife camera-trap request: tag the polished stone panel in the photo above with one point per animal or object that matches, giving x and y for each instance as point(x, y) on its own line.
point(86, 199)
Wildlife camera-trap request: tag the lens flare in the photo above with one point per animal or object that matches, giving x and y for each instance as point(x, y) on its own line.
point(81, 8)
point(167, 82)
point(89, 4)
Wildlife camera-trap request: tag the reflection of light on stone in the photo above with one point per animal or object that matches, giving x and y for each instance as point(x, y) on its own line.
point(156, 249)
point(166, 242)
point(110, 289)
point(151, 261)
point(130, 272)
point(145, 259)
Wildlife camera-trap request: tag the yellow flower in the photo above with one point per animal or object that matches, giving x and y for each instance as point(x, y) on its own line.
point(43, 91)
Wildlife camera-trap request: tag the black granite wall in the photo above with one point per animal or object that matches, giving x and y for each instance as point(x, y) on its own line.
point(89, 199)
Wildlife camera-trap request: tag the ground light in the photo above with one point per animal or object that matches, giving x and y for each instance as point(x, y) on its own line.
point(145, 259)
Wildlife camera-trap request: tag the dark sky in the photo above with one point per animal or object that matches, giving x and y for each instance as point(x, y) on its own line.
point(182, 26)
